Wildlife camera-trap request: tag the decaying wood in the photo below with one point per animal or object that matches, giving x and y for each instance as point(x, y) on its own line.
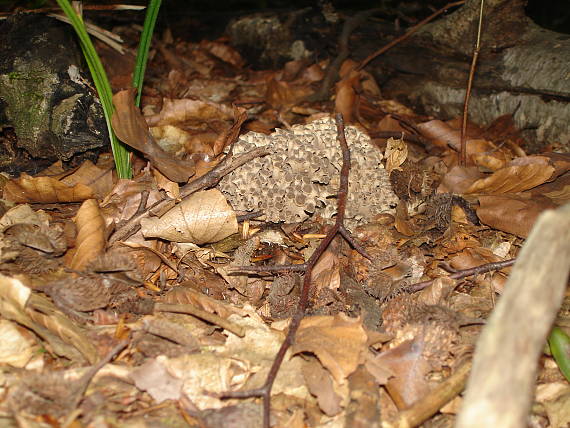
point(501, 386)
point(521, 70)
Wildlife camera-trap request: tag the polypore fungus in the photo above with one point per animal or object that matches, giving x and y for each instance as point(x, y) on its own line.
point(301, 175)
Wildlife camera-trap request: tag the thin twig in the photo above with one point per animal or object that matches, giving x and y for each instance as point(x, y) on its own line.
point(411, 31)
point(488, 267)
point(429, 405)
point(463, 156)
point(208, 180)
point(265, 390)
point(267, 269)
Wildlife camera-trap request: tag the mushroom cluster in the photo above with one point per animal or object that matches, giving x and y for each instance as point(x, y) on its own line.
point(301, 175)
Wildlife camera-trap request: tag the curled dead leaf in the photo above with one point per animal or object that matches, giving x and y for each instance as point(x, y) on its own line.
point(45, 189)
point(132, 129)
point(512, 179)
point(201, 218)
point(90, 234)
point(395, 154)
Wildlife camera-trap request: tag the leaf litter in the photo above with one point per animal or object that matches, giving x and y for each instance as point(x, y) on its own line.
point(186, 297)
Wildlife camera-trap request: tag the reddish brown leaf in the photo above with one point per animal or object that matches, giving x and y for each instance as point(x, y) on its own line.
point(131, 128)
point(512, 213)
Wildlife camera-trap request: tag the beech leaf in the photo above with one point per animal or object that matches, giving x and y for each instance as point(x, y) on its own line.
point(201, 218)
point(90, 234)
point(132, 129)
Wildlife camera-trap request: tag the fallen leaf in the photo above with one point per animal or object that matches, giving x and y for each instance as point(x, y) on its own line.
point(90, 241)
point(321, 386)
point(396, 154)
point(512, 179)
point(183, 110)
point(409, 367)
point(15, 348)
point(201, 218)
point(132, 129)
point(512, 213)
point(45, 189)
point(339, 343)
point(459, 179)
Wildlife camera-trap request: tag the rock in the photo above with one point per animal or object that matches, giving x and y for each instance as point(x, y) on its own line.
point(46, 95)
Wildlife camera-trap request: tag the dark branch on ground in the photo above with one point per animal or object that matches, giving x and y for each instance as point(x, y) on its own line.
point(265, 391)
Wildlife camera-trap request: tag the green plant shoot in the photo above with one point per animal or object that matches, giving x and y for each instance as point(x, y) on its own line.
point(120, 151)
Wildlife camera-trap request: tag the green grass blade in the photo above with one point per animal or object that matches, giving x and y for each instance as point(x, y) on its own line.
point(120, 151)
point(144, 46)
point(559, 343)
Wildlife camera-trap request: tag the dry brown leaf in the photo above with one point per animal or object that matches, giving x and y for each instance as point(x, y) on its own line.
point(441, 133)
point(45, 190)
point(346, 95)
point(183, 110)
point(131, 128)
point(512, 179)
point(339, 343)
point(558, 191)
point(43, 313)
point(185, 295)
point(405, 361)
point(171, 188)
point(201, 218)
point(472, 257)
point(223, 51)
point(90, 241)
point(99, 180)
point(282, 95)
point(227, 138)
point(512, 213)
point(459, 179)
point(321, 386)
point(326, 272)
point(396, 154)
point(402, 220)
point(438, 292)
point(124, 199)
point(377, 369)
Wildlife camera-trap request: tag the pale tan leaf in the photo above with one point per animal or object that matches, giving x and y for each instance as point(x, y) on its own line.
point(339, 343)
point(15, 348)
point(326, 272)
point(512, 179)
point(184, 110)
point(186, 295)
point(17, 303)
point(100, 181)
point(396, 153)
point(23, 214)
point(90, 241)
point(43, 313)
point(45, 189)
point(201, 218)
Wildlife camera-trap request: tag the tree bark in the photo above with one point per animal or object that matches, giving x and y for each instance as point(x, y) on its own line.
point(523, 70)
